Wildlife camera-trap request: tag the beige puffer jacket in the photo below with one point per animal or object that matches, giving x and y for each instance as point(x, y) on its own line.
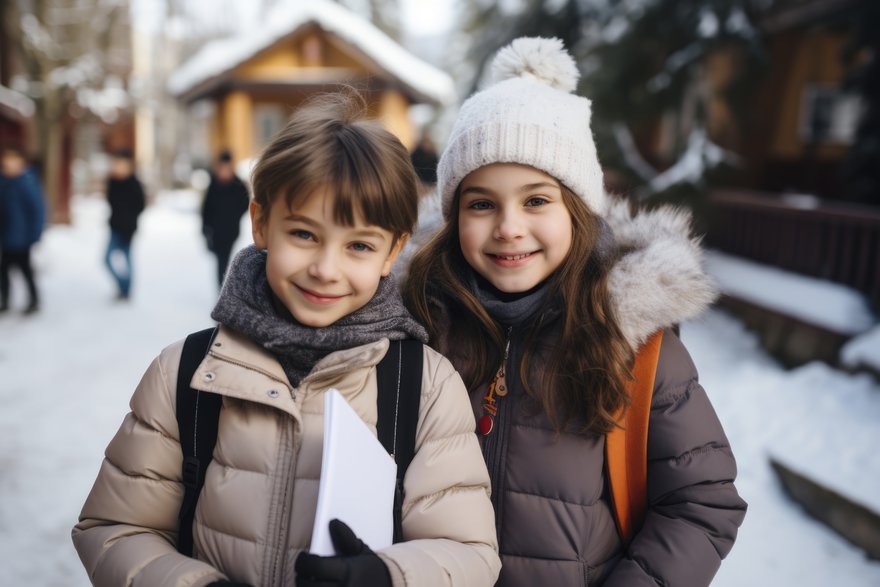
point(257, 508)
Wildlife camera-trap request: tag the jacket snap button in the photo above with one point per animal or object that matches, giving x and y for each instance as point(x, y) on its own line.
point(209, 376)
point(273, 393)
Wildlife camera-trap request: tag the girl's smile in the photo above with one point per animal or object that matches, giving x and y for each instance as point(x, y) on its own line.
point(512, 259)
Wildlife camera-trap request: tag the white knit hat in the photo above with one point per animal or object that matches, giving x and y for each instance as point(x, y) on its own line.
point(528, 116)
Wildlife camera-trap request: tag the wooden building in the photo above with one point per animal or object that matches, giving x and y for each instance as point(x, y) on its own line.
point(245, 87)
point(16, 111)
point(787, 208)
point(801, 121)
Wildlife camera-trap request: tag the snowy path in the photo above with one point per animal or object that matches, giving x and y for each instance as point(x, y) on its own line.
point(66, 375)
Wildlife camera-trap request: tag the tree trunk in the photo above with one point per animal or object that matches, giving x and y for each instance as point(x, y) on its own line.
point(50, 110)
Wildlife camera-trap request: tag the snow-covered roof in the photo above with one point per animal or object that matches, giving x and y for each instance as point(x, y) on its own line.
point(17, 102)
point(220, 56)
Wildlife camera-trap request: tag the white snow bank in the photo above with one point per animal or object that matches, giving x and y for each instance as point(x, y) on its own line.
point(821, 422)
point(863, 350)
point(829, 305)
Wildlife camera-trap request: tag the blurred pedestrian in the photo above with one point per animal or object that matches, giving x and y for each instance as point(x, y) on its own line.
point(125, 194)
point(22, 214)
point(424, 160)
point(225, 203)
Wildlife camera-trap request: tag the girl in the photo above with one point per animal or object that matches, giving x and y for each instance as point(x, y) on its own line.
point(541, 290)
point(309, 308)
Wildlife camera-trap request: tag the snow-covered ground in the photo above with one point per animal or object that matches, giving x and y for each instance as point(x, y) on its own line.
point(66, 375)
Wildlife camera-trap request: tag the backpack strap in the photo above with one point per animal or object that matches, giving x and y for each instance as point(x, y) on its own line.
point(626, 446)
point(198, 414)
point(399, 383)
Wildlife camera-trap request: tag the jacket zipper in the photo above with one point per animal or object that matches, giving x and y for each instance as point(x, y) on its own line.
point(495, 442)
point(281, 537)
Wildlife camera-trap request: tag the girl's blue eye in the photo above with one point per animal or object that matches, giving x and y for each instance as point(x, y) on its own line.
point(536, 201)
point(303, 234)
point(361, 247)
point(480, 205)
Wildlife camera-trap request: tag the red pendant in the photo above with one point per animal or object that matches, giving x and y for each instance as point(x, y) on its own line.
point(486, 424)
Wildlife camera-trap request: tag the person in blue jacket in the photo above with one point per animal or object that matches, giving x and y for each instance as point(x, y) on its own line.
point(22, 215)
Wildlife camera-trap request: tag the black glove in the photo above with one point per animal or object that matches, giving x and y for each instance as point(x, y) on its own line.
point(355, 564)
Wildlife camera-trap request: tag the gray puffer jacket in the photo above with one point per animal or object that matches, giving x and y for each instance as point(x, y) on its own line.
point(553, 514)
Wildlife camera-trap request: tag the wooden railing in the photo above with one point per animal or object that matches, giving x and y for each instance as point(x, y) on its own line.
point(832, 241)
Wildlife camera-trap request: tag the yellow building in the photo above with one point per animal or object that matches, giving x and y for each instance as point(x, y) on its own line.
point(249, 84)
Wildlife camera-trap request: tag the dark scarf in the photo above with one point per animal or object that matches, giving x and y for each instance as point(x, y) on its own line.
point(248, 305)
point(508, 309)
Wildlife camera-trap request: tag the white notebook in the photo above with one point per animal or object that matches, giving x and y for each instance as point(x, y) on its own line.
point(357, 480)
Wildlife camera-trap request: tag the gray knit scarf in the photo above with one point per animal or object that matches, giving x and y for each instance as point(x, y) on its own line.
point(509, 310)
point(247, 304)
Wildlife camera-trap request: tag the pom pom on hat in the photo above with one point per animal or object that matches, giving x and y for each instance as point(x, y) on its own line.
point(529, 116)
point(545, 60)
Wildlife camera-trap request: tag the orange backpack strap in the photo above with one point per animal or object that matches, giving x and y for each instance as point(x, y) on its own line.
point(626, 446)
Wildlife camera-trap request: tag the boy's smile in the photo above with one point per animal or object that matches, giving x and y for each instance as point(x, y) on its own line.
point(318, 298)
point(319, 269)
point(514, 228)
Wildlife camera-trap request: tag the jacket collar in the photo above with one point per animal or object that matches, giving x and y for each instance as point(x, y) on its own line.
point(233, 356)
point(659, 280)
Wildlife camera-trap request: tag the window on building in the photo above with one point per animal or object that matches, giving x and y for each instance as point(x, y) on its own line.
point(829, 115)
point(268, 119)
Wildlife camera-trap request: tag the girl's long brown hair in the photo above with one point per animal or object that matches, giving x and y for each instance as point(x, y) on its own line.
point(587, 366)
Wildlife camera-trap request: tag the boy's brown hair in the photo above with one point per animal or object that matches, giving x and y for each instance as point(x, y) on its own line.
point(329, 144)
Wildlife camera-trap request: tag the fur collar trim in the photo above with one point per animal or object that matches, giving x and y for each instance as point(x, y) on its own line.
point(659, 279)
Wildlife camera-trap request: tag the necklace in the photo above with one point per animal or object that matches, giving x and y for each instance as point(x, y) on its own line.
point(498, 387)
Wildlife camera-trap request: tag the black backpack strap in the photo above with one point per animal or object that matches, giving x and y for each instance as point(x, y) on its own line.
point(399, 380)
point(197, 417)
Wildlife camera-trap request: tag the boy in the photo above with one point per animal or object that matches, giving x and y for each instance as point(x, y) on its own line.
point(309, 308)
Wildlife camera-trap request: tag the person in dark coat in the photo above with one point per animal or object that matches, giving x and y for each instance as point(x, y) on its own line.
point(424, 160)
point(225, 203)
point(22, 215)
point(125, 194)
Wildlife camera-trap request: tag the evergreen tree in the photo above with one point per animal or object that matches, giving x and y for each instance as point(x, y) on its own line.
point(490, 25)
point(649, 63)
point(641, 60)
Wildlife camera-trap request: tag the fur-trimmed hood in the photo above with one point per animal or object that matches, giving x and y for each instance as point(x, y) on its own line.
point(657, 282)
